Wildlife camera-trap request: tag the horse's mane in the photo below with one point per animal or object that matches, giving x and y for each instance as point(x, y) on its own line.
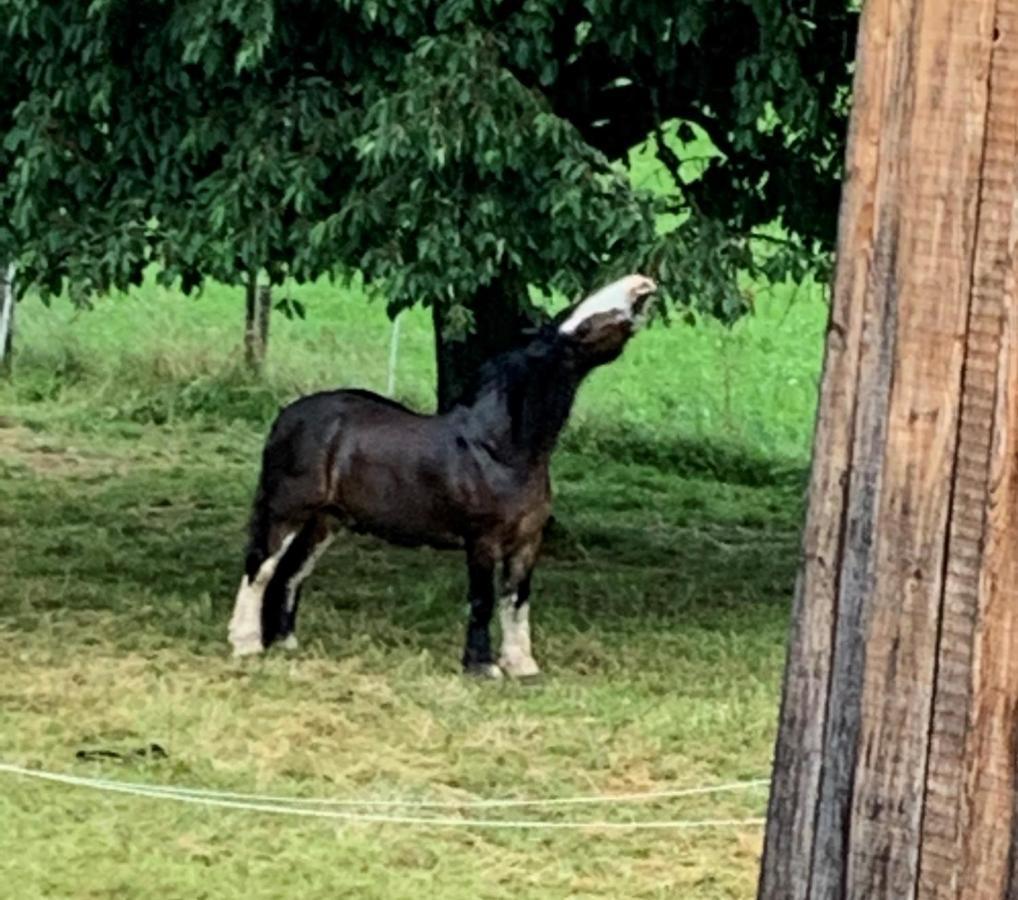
point(508, 369)
point(536, 385)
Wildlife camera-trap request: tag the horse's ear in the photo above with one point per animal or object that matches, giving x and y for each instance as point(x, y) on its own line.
point(561, 315)
point(539, 323)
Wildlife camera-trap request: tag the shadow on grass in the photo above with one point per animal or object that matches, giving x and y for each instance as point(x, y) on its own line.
point(684, 456)
point(633, 552)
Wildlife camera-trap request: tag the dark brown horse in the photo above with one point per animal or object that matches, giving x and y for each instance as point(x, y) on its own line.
point(474, 478)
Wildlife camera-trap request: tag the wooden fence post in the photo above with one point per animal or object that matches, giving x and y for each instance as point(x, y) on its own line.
point(6, 317)
point(894, 772)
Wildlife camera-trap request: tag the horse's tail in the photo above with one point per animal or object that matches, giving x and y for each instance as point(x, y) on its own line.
point(257, 531)
point(259, 527)
point(258, 551)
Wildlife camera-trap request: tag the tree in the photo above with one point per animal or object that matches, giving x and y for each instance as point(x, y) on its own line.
point(456, 152)
point(146, 133)
point(894, 772)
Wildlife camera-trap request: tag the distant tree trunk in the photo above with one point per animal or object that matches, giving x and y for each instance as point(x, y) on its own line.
point(7, 319)
point(264, 309)
point(499, 321)
point(251, 355)
point(256, 322)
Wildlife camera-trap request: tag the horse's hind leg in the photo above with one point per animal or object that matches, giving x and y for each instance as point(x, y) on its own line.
point(292, 490)
point(245, 631)
point(517, 658)
point(279, 610)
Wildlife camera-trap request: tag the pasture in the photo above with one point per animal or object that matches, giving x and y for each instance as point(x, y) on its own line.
point(129, 446)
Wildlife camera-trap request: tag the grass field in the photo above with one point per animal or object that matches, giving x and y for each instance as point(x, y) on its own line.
point(129, 443)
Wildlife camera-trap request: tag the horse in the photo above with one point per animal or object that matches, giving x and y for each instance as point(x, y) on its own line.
point(474, 478)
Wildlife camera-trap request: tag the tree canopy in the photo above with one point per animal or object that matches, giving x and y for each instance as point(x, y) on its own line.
point(439, 146)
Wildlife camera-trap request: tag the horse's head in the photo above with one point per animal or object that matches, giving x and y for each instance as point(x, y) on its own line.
point(599, 326)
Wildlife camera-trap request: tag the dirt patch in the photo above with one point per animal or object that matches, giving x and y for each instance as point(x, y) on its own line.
point(47, 455)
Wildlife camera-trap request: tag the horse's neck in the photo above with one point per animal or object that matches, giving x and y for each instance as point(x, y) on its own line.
point(545, 411)
point(524, 423)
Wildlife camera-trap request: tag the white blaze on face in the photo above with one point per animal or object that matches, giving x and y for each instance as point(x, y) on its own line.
point(618, 297)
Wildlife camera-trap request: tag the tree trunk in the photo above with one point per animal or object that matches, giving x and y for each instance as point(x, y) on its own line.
point(7, 307)
point(500, 318)
point(264, 311)
point(251, 356)
point(894, 772)
point(258, 306)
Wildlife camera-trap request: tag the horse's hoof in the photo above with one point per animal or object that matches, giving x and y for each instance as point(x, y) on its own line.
point(290, 642)
point(247, 647)
point(519, 667)
point(483, 670)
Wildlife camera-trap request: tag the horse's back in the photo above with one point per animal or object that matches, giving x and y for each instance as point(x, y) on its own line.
point(314, 418)
point(369, 460)
point(323, 405)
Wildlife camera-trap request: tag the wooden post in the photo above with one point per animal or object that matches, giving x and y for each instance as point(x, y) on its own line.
point(894, 772)
point(6, 318)
point(390, 382)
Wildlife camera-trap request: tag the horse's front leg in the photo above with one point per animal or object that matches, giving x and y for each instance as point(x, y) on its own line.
point(477, 656)
point(517, 657)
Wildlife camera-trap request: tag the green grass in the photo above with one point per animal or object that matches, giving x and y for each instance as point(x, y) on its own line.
point(128, 453)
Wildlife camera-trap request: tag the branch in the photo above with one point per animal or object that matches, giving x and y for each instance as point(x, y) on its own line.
point(771, 239)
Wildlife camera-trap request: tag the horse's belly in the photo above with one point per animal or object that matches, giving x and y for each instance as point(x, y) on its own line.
point(409, 494)
point(402, 536)
point(400, 518)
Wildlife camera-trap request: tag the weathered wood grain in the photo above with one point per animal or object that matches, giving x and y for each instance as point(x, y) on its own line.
point(799, 751)
point(969, 801)
point(895, 763)
point(938, 162)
